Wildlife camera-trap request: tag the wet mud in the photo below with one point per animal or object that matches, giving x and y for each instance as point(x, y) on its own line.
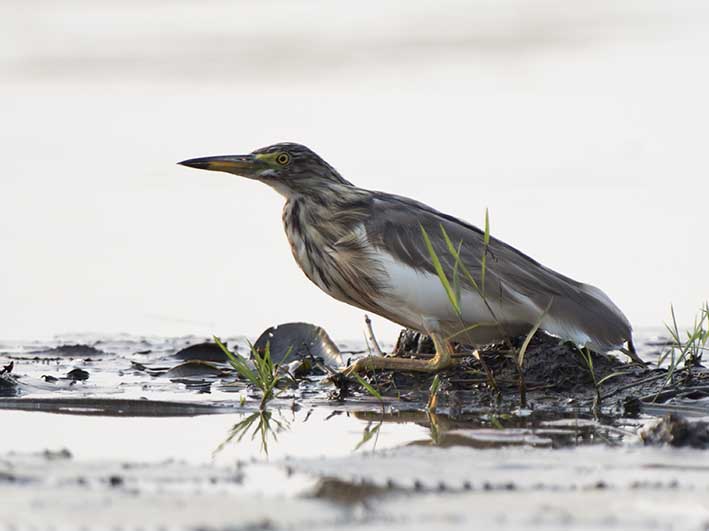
point(557, 378)
point(126, 424)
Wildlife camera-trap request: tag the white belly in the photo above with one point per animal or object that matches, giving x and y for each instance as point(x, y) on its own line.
point(420, 297)
point(422, 302)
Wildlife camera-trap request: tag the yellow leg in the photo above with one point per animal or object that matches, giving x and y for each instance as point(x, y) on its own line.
point(443, 359)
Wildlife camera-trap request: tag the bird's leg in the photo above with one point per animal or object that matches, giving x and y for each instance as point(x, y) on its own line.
point(443, 359)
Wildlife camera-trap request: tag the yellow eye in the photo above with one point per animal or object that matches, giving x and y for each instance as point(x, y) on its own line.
point(283, 159)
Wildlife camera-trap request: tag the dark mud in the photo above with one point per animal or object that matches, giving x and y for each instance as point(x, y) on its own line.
point(557, 378)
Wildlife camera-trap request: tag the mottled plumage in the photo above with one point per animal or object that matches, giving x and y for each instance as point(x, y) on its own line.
point(367, 249)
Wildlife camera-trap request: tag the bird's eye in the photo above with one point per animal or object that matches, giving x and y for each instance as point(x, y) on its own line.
point(283, 159)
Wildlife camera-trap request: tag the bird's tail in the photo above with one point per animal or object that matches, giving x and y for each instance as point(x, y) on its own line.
point(588, 318)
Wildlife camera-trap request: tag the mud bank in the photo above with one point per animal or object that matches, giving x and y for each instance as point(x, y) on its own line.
point(161, 433)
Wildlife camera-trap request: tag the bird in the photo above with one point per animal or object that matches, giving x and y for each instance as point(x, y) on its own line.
point(384, 253)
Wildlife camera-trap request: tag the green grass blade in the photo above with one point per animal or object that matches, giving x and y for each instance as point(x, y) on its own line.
point(238, 363)
point(588, 360)
point(456, 274)
point(458, 261)
point(530, 335)
point(464, 330)
point(441, 274)
point(371, 390)
point(435, 385)
point(609, 376)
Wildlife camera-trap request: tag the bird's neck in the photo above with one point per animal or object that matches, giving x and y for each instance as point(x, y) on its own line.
point(309, 236)
point(326, 217)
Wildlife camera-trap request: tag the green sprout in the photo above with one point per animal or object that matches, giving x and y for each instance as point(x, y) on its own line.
point(587, 358)
point(264, 375)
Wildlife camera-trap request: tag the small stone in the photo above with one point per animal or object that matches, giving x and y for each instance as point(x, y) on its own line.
point(78, 375)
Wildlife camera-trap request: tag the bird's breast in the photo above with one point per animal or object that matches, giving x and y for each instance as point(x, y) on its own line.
point(335, 256)
point(307, 248)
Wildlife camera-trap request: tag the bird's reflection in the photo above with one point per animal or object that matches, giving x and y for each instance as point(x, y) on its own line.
point(475, 430)
point(493, 430)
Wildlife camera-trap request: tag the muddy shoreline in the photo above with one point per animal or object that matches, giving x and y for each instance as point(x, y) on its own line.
point(135, 427)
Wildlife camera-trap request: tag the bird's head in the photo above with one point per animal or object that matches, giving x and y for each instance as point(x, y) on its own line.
point(289, 168)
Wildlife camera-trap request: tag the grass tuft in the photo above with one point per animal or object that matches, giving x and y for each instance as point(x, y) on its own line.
point(264, 375)
point(688, 351)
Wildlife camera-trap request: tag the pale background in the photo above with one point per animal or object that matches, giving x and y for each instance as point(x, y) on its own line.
point(582, 125)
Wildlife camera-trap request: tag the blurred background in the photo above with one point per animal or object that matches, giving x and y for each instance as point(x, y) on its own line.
point(581, 125)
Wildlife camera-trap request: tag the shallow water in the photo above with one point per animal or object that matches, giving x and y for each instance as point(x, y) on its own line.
point(132, 448)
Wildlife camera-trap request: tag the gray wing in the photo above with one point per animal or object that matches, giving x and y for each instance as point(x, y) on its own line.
point(394, 225)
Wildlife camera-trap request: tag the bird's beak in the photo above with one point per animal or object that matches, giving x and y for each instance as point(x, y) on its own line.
point(243, 165)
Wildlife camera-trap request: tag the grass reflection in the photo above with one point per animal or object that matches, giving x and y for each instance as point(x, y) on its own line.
point(265, 426)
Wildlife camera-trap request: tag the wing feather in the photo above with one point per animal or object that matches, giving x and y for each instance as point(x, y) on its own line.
point(512, 278)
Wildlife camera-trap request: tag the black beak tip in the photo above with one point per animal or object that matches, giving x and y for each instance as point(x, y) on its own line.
point(194, 163)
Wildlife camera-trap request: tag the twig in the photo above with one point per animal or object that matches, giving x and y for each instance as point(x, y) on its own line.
point(371, 339)
point(634, 384)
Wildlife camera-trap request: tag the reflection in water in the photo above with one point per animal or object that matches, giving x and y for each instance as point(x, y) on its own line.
point(369, 433)
point(265, 426)
point(320, 432)
point(493, 431)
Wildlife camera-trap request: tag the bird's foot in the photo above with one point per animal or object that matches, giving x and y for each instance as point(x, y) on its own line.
point(441, 361)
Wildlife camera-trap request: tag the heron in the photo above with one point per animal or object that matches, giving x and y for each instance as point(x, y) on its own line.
point(384, 253)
